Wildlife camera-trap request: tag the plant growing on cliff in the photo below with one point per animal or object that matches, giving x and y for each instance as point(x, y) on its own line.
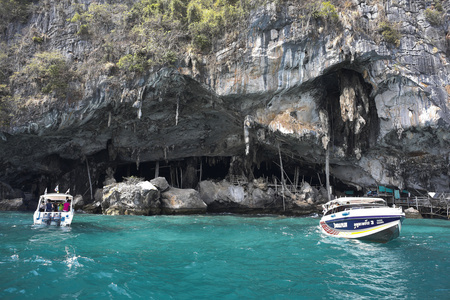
point(326, 11)
point(13, 10)
point(133, 62)
point(49, 71)
point(390, 33)
point(434, 17)
point(4, 102)
point(99, 18)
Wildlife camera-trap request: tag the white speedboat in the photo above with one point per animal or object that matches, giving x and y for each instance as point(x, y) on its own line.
point(363, 218)
point(54, 209)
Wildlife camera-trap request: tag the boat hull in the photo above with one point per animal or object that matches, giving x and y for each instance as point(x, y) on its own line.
point(376, 225)
point(48, 218)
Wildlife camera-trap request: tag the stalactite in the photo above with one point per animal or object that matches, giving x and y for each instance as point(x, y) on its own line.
point(201, 168)
point(176, 114)
point(138, 159)
point(247, 125)
point(157, 169)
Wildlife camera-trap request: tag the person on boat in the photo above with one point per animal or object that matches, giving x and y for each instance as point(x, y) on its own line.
point(42, 206)
point(60, 206)
point(66, 205)
point(48, 206)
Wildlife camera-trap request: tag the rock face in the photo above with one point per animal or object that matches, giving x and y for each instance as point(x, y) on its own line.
point(257, 197)
point(12, 205)
point(126, 198)
point(185, 201)
point(286, 87)
point(135, 197)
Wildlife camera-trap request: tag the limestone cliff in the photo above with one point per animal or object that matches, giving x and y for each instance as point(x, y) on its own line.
point(289, 81)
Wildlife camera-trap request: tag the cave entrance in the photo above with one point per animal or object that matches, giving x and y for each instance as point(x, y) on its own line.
point(183, 173)
point(188, 172)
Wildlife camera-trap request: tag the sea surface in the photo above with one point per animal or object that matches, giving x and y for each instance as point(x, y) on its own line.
point(217, 257)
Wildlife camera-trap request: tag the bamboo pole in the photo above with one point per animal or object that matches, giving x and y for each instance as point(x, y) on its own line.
point(181, 177)
point(297, 175)
point(201, 169)
point(89, 176)
point(282, 177)
point(157, 169)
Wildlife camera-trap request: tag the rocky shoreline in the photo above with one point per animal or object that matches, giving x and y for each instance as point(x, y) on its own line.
point(136, 196)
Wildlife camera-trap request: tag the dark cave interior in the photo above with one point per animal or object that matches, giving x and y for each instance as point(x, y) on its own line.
point(218, 168)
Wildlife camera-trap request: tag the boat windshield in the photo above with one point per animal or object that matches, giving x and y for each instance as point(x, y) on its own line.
point(352, 206)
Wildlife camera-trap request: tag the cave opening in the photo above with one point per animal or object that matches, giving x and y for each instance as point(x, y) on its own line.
point(188, 172)
point(182, 173)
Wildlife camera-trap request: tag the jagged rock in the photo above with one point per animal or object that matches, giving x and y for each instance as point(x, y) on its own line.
point(412, 213)
point(132, 199)
point(223, 196)
point(78, 202)
point(93, 208)
point(302, 207)
point(12, 205)
point(260, 183)
point(261, 198)
point(182, 201)
point(160, 183)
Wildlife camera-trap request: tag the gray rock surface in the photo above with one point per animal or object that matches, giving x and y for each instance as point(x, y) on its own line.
point(130, 199)
point(12, 205)
point(182, 201)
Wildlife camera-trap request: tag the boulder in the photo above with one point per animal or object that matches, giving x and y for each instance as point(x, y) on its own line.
point(78, 202)
point(160, 183)
point(262, 198)
point(12, 205)
point(182, 201)
point(93, 208)
point(225, 197)
point(140, 198)
point(412, 213)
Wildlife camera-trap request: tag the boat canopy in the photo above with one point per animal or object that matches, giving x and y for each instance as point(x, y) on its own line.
point(57, 197)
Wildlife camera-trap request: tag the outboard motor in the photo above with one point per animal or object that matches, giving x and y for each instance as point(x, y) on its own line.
point(57, 219)
point(47, 219)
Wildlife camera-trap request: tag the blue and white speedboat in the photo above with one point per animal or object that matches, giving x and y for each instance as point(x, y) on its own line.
point(363, 218)
point(54, 209)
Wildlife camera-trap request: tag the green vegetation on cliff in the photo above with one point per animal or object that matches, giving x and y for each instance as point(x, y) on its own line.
point(13, 10)
point(49, 71)
point(124, 39)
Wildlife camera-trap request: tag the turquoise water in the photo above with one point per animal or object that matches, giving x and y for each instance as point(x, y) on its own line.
point(217, 257)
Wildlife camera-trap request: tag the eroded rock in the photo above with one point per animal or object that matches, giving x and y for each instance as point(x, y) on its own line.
point(182, 201)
